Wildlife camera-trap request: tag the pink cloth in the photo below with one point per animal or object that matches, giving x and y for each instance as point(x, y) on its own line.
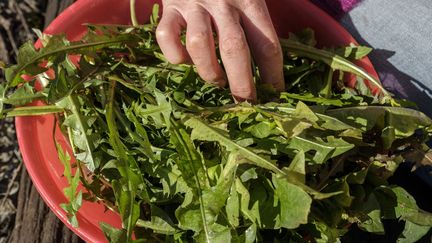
point(346, 5)
point(337, 8)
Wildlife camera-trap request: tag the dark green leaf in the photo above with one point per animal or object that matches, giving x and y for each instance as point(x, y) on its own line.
point(22, 96)
point(190, 161)
point(294, 203)
point(315, 99)
point(323, 149)
point(404, 121)
point(202, 131)
point(73, 195)
point(112, 234)
point(125, 196)
point(413, 232)
point(407, 208)
point(32, 111)
point(334, 61)
point(81, 135)
point(354, 52)
point(371, 209)
point(159, 222)
point(297, 168)
point(233, 207)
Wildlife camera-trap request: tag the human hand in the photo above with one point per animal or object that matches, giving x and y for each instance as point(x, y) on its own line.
point(237, 24)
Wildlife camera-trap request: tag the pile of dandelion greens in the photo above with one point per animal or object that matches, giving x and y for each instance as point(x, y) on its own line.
point(179, 160)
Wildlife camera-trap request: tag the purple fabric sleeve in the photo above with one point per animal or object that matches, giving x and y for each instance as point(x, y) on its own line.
point(337, 8)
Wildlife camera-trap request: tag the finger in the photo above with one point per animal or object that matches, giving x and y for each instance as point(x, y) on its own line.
point(263, 41)
point(235, 56)
point(168, 36)
point(201, 47)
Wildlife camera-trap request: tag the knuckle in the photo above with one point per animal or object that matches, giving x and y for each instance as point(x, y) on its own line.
point(224, 9)
point(197, 2)
point(197, 40)
point(162, 33)
point(233, 44)
point(271, 50)
point(196, 8)
point(251, 3)
point(254, 5)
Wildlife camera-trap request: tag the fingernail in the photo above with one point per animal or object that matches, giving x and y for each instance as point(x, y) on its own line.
point(238, 99)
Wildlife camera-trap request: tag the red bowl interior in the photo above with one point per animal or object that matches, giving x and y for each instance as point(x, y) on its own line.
point(35, 133)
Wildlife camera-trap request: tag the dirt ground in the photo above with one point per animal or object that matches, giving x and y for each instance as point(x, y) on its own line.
point(24, 217)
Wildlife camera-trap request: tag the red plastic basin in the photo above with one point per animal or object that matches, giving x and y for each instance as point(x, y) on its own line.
point(35, 133)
